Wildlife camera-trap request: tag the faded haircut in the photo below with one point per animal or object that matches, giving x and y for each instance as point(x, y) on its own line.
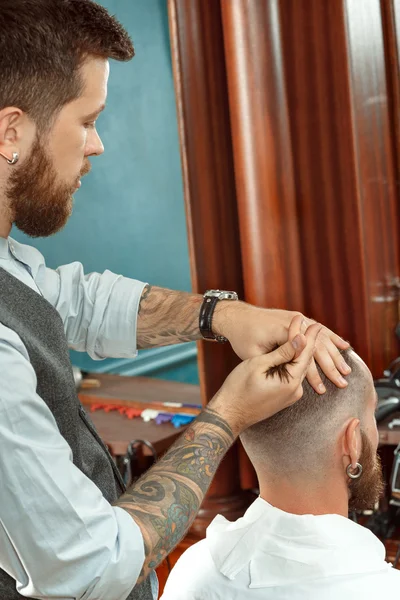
point(43, 43)
point(299, 438)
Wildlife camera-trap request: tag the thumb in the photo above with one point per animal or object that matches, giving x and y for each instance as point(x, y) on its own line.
point(285, 353)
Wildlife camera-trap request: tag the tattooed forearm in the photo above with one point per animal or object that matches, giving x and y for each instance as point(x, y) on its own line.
point(167, 317)
point(166, 499)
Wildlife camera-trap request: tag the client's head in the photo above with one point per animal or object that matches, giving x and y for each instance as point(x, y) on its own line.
point(319, 439)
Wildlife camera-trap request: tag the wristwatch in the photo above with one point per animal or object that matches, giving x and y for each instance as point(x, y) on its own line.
point(211, 297)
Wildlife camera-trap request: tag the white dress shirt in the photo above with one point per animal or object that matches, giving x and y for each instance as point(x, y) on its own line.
point(272, 555)
point(59, 537)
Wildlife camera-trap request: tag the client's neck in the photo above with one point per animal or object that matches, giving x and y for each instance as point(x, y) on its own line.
point(300, 497)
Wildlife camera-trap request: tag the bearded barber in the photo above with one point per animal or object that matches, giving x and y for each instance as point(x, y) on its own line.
point(68, 527)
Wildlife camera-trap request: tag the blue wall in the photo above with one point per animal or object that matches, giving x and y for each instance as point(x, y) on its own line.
point(129, 214)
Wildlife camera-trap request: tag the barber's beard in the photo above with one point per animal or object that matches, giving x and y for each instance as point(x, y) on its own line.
point(366, 491)
point(39, 203)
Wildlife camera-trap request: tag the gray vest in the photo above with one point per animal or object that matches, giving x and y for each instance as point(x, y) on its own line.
point(41, 329)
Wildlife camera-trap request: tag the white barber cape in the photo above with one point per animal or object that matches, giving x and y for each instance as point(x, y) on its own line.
point(272, 555)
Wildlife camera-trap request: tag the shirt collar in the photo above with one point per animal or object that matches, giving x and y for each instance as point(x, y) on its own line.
point(3, 247)
point(27, 255)
point(281, 548)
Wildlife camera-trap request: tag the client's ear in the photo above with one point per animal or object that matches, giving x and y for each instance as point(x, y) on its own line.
point(352, 443)
point(10, 122)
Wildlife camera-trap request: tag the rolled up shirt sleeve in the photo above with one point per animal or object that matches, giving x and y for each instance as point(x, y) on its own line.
point(59, 537)
point(99, 311)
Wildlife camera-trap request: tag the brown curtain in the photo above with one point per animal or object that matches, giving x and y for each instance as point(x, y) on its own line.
point(289, 124)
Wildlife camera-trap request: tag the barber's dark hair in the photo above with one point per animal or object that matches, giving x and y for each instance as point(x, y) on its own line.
point(42, 45)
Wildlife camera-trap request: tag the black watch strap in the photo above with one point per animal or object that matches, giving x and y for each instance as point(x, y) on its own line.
point(205, 319)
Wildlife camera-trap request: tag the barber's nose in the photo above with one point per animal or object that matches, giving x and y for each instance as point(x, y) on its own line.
point(94, 145)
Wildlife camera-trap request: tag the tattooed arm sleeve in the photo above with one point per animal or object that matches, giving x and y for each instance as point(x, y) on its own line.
point(166, 499)
point(167, 317)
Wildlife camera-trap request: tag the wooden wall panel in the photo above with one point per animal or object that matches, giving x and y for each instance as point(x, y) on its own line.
point(314, 163)
point(391, 27)
point(263, 155)
point(210, 197)
point(207, 162)
point(316, 78)
point(377, 183)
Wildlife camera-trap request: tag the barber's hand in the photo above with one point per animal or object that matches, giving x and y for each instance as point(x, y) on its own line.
point(255, 390)
point(253, 331)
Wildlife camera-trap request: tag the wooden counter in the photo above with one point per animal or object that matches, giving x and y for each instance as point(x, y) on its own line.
point(116, 429)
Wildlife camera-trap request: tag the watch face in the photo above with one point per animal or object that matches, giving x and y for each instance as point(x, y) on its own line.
point(221, 294)
point(213, 293)
point(228, 296)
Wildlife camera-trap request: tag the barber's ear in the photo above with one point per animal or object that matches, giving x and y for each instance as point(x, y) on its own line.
point(352, 442)
point(17, 131)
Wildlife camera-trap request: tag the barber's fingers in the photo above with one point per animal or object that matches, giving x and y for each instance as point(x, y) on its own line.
point(339, 342)
point(299, 369)
point(301, 348)
point(329, 359)
point(314, 378)
point(282, 355)
point(297, 328)
point(332, 363)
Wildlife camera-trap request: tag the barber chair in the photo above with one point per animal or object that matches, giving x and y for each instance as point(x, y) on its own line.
point(388, 388)
point(394, 504)
point(384, 523)
point(135, 463)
